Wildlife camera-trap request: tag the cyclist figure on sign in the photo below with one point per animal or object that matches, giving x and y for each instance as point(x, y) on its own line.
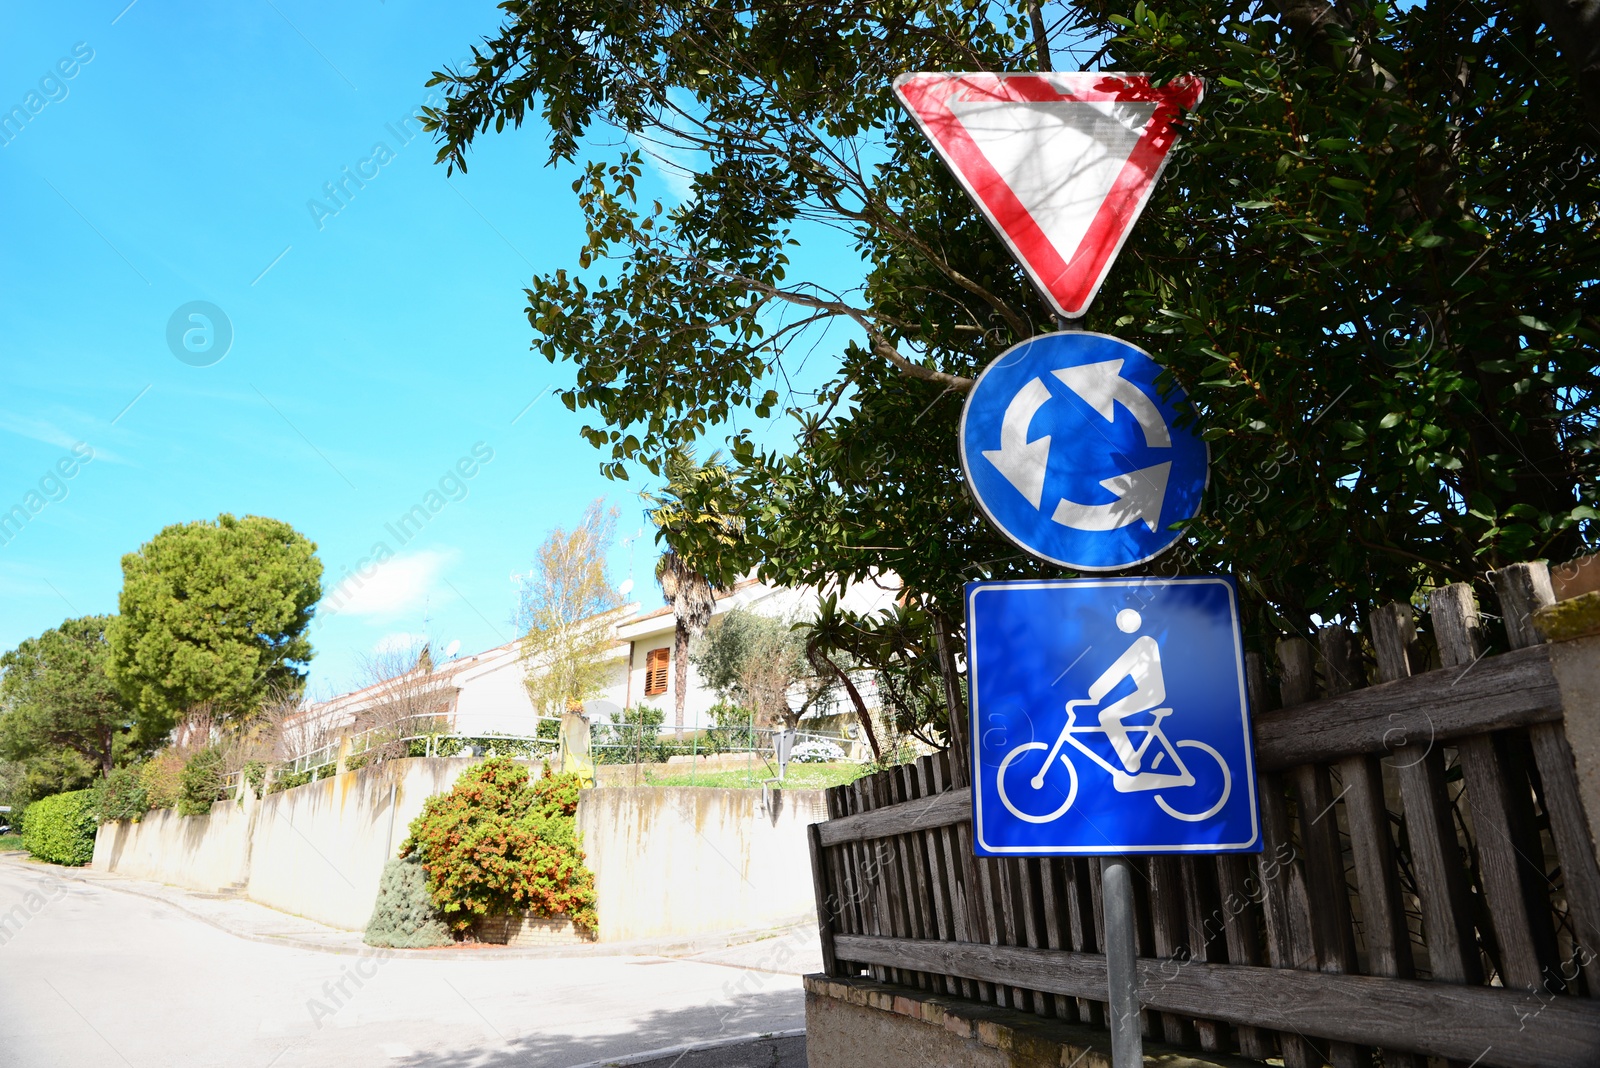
point(1141, 663)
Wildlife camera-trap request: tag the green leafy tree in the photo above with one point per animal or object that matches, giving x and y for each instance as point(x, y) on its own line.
point(760, 664)
point(568, 606)
point(213, 612)
point(55, 695)
point(52, 771)
point(1370, 266)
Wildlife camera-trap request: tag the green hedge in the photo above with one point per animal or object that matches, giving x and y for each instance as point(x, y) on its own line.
point(61, 828)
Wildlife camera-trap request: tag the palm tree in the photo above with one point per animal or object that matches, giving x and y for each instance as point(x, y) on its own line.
point(693, 599)
point(692, 514)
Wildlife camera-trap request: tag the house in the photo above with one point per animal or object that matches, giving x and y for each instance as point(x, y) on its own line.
point(484, 693)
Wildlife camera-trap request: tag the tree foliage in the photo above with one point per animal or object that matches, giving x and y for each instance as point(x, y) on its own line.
point(1370, 266)
point(759, 663)
point(55, 695)
point(567, 609)
point(213, 613)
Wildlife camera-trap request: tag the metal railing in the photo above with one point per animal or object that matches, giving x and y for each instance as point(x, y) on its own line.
point(612, 743)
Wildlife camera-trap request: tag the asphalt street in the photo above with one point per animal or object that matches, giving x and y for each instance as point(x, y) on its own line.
point(91, 976)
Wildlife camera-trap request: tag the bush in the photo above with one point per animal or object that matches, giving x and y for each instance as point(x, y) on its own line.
point(201, 782)
point(255, 773)
point(633, 737)
point(162, 779)
point(288, 780)
point(818, 752)
point(496, 845)
point(61, 828)
point(121, 796)
point(403, 916)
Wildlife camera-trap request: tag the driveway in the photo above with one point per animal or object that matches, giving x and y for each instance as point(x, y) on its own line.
point(92, 976)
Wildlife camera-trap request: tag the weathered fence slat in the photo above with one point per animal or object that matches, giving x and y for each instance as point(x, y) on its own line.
point(819, 878)
point(1515, 689)
point(1570, 829)
point(1328, 907)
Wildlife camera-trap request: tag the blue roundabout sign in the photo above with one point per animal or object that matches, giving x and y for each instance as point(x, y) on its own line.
point(1074, 454)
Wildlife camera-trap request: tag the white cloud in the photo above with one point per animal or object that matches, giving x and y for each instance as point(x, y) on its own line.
point(400, 584)
point(43, 430)
point(673, 165)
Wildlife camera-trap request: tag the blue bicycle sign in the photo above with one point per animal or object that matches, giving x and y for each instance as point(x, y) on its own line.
point(1108, 716)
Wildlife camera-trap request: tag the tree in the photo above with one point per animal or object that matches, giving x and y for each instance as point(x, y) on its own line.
point(897, 647)
point(691, 515)
point(407, 697)
point(213, 612)
point(55, 694)
point(567, 613)
point(757, 662)
point(1370, 267)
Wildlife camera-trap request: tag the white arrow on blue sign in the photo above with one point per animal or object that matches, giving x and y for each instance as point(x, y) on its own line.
point(1109, 716)
point(1073, 453)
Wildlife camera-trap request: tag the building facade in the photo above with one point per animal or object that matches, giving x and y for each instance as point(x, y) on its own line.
point(485, 693)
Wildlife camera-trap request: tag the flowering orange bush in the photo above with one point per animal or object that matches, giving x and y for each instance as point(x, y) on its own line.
point(497, 844)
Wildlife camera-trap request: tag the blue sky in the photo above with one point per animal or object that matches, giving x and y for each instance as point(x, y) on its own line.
point(372, 349)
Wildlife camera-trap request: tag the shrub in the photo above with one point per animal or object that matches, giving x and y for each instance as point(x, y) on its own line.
point(61, 828)
point(200, 783)
point(633, 736)
point(255, 773)
point(497, 845)
point(403, 917)
point(162, 779)
point(121, 796)
point(817, 752)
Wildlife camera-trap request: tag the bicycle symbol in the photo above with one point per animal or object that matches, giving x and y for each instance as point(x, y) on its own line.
point(1033, 790)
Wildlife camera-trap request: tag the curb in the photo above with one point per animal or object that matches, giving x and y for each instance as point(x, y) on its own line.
point(667, 947)
point(690, 1047)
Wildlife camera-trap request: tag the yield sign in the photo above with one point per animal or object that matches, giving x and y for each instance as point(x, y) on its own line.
point(1060, 164)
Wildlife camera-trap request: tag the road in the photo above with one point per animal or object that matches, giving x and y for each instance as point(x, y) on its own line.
point(91, 976)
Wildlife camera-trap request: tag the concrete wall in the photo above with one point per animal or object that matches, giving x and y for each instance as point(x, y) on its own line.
point(196, 852)
point(316, 851)
point(667, 861)
point(684, 860)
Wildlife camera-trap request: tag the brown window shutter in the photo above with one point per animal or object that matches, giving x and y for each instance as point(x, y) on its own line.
point(655, 671)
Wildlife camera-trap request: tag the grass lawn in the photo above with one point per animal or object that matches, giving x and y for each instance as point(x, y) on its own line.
point(10, 841)
point(799, 776)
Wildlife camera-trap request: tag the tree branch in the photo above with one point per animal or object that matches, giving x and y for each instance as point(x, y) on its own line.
point(1041, 37)
point(880, 344)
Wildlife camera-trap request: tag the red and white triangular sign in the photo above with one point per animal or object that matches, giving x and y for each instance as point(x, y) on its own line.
point(1060, 164)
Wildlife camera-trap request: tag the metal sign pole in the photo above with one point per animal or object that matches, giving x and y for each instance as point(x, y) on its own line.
point(1116, 882)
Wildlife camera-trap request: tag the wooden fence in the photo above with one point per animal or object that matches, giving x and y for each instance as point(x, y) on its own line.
point(1428, 888)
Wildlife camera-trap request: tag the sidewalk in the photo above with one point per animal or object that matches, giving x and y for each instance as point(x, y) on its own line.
point(258, 923)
